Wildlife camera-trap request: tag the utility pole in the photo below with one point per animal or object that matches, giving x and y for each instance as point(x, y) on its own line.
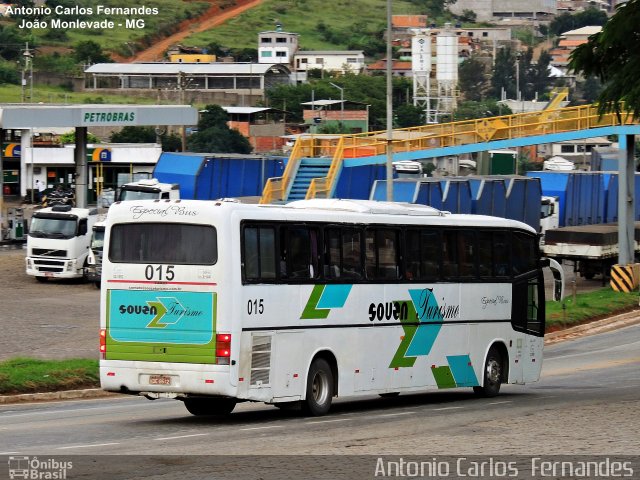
point(389, 108)
point(182, 85)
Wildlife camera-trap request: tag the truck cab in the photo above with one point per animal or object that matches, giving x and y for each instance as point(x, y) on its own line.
point(549, 214)
point(58, 242)
point(94, 260)
point(149, 189)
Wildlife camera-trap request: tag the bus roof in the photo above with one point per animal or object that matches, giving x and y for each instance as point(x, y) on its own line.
point(319, 210)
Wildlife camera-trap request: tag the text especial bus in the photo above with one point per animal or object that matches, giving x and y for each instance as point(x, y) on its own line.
point(213, 303)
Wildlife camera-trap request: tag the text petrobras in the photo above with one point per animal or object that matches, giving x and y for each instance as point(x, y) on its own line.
point(535, 467)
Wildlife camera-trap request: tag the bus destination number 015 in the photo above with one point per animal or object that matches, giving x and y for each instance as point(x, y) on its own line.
point(159, 273)
point(255, 306)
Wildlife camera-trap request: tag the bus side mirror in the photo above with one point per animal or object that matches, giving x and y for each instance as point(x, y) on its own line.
point(558, 279)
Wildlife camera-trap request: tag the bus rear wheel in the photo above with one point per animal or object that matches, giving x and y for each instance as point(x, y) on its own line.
point(209, 406)
point(319, 388)
point(492, 377)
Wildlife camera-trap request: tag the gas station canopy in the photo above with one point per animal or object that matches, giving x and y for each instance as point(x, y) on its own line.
point(24, 116)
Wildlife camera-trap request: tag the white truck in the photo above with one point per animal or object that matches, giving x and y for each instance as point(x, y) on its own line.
point(94, 260)
point(149, 189)
point(58, 242)
point(549, 215)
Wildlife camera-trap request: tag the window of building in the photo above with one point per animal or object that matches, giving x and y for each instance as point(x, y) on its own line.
point(266, 54)
point(281, 54)
point(265, 40)
point(281, 40)
point(567, 149)
point(485, 34)
point(320, 60)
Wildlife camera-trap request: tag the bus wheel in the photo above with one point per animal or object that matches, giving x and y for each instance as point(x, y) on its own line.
point(493, 371)
point(319, 388)
point(210, 406)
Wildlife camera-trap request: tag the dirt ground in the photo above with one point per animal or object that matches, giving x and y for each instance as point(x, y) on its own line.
point(56, 319)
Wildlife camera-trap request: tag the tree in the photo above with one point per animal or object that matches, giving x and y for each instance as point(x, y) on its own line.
point(215, 136)
point(566, 22)
point(11, 42)
point(70, 137)
point(471, 79)
point(613, 57)
point(90, 52)
point(136, 134)
point(504, 74)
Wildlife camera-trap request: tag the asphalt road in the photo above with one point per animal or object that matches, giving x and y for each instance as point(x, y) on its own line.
point(587, 403)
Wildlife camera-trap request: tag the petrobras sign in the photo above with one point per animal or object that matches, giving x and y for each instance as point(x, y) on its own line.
point(108, 116)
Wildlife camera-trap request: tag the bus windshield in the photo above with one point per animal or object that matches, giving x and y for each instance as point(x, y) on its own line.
point(139, 194)
point(53, 227)
point(169, 243)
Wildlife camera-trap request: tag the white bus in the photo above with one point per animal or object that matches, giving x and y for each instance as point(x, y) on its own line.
point(215, 303)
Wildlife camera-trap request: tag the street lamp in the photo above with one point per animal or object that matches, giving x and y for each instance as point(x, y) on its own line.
point(341, 102)
point(389, 108)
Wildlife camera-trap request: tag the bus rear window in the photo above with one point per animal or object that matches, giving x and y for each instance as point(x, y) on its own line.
point(174, 243)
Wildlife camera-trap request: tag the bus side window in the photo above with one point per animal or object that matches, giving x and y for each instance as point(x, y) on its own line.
point(501, 254)
point(351, 258)
point(449, 251)
point(382, 254)
point(259, 253)
point(466, 254)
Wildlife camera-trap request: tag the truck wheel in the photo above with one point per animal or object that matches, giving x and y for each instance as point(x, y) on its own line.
point(209, 406)
point(319, 389)
point(493, 373)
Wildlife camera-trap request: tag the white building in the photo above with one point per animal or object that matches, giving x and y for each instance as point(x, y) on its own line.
point(277, 46)
point(330, 61)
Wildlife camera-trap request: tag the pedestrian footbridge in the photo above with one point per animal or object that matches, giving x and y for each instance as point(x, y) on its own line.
point(316, 161)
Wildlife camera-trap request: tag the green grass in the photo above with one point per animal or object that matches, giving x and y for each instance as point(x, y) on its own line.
point(302, 17)
point(27, 375)
point(48, 94)
point(588, 306)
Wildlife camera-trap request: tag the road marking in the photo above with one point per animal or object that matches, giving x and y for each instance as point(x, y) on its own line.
point(88, 446)
point(182, 436)
point(547, 396)
point(500, 403)
point(446, 408)
point(629, 386)
point(81, 410)
point(261, 428)
point(395, 414)
point(329, 421)
point(9, 453)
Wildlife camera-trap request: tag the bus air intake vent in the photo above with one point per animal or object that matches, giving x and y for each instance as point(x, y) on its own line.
point(260, 360)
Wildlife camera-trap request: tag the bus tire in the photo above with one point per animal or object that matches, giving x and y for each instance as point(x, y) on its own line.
point(209, 406)
point(319, 389)
point(493, 372)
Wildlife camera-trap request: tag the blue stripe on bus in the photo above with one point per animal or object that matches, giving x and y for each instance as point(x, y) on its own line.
point(427, 310)
point(462, 370)
point(334, 296)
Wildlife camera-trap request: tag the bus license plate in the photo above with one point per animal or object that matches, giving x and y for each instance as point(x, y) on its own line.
point(159, 380)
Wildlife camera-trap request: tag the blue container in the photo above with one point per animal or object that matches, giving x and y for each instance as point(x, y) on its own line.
point(207, 176)
point(357, 182)
point(611, 211)
point(523, 199)
point(456, 196)
point(404, 190)
point(581, 195)
point(430, 193)
point(488, 196)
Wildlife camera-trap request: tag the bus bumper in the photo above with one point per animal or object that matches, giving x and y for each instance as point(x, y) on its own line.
point(177, 379)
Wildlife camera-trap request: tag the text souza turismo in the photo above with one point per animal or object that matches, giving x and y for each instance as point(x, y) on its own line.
point(78, 10)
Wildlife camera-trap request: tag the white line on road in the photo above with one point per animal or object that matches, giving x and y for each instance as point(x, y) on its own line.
point(9, 453)
point(329, 421)
point(88, 446)
point(499, 403)
point(182, 436)
point(261, 428)
point(446, 408)
point(395, 414)
point(547, 396)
